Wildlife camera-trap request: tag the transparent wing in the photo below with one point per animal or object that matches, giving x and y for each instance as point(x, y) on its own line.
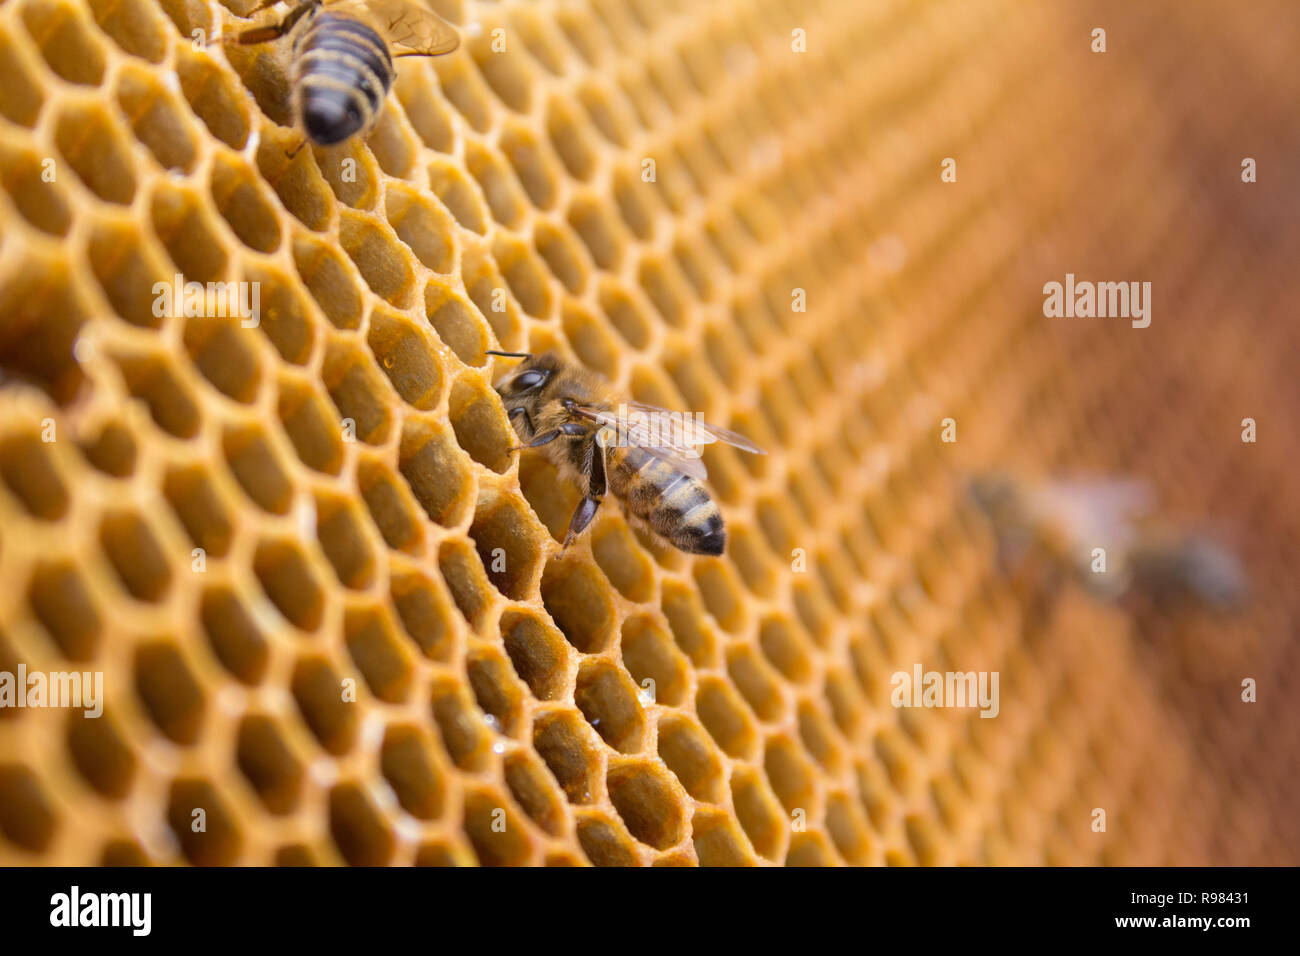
point(410, 28)
point(1099, 510)
point(694, 467)
point(635, 433)
point(694, 430)
point(672, 437)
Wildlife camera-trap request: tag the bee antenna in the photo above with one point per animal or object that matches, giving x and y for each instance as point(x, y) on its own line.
point(520, 355)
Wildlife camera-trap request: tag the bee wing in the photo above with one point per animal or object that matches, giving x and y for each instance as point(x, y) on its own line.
point(695, 431)
point(682, 461)
point(664, 444)
point(410, 28)
point(1100, 509)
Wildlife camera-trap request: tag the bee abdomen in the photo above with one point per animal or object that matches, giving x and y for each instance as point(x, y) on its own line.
point(676, 506)
point(343, 71)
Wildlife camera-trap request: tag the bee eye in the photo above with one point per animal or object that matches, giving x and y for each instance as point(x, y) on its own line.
point(529, 380)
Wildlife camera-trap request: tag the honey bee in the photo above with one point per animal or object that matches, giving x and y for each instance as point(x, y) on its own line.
point(343, 53)
point(1174, 565)
point(1064, 523)
point(647, 457)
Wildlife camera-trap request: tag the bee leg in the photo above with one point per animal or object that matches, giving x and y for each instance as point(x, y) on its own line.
point(582, 516)
point(520, 410)
point(568, 428)
point(590, 502)
point(537, 441)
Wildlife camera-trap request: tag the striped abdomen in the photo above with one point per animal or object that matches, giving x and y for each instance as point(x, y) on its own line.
point(676, 506)
point(342, 72)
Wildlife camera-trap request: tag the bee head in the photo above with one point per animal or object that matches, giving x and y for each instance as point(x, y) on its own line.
point(527, 380)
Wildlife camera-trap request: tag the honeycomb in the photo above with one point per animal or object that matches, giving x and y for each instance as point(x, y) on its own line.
point(326, 599)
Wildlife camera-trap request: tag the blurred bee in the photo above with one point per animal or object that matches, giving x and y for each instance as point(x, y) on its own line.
point(1063, 522)
point(1173, 567)
point(645, 456)
point(343, 53)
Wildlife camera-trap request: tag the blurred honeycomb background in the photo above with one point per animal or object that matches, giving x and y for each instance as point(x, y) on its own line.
point(502, 716)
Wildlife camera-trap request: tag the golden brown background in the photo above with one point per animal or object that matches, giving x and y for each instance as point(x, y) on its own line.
point(521, 171)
